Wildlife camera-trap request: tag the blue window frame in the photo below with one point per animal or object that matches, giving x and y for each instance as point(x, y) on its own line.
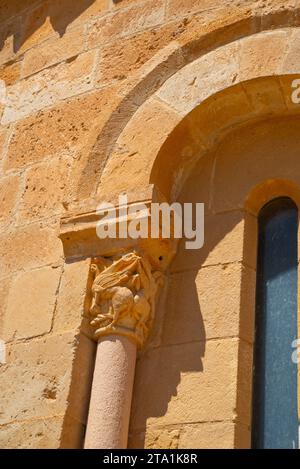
point(275, 415)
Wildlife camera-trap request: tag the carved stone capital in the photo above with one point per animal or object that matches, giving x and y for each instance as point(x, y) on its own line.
point(124, 293)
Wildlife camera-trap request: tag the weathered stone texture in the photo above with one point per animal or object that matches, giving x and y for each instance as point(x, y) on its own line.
point(35, 434)
point(11, 8)
point(5, 133)
point(53, 51)
point(272, 140)
point(142, 15)
point(9, 32)
point(10, 73)
point(208, 304)
point(156, 116)
point(29, 247)
point(274, 48)
point(9, 189)
point(42, 368)
point(210, 435)
point(49, 87)
point(61, 129)
point(46, 186)
point(72, 294)
point(31, 304)
point(188, 374)
point(4, 290)
point(133, 52)
point(185, 7)
point(155, 438)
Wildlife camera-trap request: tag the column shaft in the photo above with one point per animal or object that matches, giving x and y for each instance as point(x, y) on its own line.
point(110, 404)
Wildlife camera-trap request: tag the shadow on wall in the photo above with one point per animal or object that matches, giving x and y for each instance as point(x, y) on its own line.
point(75, 418)
point(193, 314)
point(23, 19)
point(211, 291)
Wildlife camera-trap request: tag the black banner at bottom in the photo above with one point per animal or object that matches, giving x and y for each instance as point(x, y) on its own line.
point(138, 458)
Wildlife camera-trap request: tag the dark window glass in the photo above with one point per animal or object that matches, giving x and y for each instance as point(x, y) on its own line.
point(275, 416)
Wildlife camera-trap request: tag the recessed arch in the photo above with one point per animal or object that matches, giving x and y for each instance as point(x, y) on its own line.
point(165, 137)
point(194, 44)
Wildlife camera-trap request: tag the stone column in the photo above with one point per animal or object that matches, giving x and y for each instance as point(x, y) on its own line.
point(122, 314)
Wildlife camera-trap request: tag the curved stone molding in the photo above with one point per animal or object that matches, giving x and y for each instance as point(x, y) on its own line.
point(255, 85)
point(124, 293)
point(194, 42)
